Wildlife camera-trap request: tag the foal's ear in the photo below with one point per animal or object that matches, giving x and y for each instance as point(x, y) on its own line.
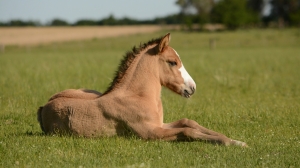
point(164, 42)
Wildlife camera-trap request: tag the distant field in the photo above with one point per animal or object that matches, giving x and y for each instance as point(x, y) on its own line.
point(248, 87)
point(38, 35)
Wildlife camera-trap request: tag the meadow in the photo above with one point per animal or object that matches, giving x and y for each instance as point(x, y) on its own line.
point(248, 87)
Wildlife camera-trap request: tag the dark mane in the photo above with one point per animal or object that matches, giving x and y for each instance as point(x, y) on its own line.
point(127, 60)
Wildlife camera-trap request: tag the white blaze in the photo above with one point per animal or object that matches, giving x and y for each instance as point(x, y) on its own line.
point(188, 80)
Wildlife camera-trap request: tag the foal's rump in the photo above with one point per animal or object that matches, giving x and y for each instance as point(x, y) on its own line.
point(76, 117)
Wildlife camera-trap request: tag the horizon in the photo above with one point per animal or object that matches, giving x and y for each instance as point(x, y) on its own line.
point(69, 11)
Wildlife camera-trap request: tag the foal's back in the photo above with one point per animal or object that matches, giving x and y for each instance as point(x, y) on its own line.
point(77, 94)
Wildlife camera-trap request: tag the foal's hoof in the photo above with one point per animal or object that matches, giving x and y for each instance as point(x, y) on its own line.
point(239, 143)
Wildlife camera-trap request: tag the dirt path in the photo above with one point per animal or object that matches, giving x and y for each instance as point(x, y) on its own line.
point(41, 35)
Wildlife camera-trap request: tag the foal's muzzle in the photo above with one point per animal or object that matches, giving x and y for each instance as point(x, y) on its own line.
point(188, 90)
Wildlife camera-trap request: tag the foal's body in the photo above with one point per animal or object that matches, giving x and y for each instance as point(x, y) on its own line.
point(132, 102)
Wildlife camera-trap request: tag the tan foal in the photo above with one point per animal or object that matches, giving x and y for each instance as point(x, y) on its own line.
point(132, 103)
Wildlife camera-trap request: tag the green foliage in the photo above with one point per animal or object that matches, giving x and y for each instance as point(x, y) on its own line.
point(110, 20)
point(85, 22)
point(232, 13)
point(170, 19)
point(20, 23)
point(286, 12)
point(202, 6)
point(295, 18)
point(58, 22)
point(247, 88)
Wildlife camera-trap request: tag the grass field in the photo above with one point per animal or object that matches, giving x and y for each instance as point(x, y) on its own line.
point(248, 88)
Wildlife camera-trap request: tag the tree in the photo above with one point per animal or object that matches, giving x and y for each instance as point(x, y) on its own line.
point(294, 12)
point(195, 6)
point(58, 22)
point(110, 20)
point(294, 17)
point(85, 22)
point(255, 5)
point(20, 23)
point(232, 13)
point(195, 11)
point(286, 12)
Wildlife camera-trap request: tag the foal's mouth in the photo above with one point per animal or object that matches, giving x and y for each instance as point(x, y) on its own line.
point(188, 94)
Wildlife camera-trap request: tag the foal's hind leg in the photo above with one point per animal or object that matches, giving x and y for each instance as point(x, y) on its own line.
point(207, 134)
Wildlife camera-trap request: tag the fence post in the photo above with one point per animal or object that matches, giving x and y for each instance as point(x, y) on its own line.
point(2, 48)
point(212, 43)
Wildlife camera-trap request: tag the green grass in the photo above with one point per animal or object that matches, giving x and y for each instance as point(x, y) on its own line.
point(248, 88)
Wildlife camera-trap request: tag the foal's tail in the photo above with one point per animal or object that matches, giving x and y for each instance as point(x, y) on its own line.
point(39, 117)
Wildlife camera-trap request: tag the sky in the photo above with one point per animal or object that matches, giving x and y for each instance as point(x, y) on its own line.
point(267, 7)
point(71, 11)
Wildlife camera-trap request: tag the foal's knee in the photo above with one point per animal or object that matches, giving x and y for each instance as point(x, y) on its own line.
point(188, 123)
point(184, 122)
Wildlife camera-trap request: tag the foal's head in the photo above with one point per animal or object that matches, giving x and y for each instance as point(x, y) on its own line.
point(172, 72)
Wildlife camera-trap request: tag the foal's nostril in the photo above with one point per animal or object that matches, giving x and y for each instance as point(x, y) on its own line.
point(193, 89)
point(186, 92)
point(189, 91)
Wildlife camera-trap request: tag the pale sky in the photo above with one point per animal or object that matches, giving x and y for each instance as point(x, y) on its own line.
point(74, 10)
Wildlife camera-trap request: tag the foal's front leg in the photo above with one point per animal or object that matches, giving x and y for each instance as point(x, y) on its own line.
point(206, 133)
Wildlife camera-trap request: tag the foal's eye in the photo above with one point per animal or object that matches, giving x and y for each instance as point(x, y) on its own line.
point(172, 63)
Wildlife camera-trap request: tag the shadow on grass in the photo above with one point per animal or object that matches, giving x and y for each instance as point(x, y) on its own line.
point(31, 133)
point(129, 136)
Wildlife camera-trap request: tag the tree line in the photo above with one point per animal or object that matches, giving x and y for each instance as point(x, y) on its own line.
point(231, 13)
point(241, 13)
point(110, 20)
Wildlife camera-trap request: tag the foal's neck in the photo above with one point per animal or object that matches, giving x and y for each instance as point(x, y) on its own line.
point(142, 77)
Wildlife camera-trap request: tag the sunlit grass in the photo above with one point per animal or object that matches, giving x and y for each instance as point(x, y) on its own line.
point(248, 88)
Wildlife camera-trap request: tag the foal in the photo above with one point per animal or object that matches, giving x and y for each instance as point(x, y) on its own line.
point(132, 102)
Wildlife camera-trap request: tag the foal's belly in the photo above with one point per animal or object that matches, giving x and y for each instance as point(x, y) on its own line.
point(91, 125)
